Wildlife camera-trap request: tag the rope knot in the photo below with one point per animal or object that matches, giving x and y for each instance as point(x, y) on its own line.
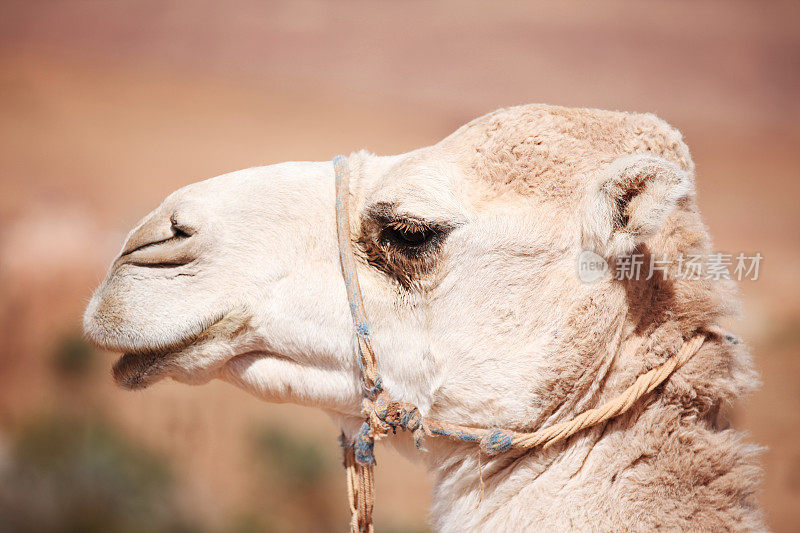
point(384, 414)
point(406, 416)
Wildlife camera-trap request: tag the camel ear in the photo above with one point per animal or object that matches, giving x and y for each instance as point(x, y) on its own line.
point(629, 202)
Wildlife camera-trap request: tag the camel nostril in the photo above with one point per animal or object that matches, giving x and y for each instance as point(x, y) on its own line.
point(179, 228)
point(181, 232)
point(160, 243)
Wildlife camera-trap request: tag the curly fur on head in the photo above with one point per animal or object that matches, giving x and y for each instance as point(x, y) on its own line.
point(545, 150)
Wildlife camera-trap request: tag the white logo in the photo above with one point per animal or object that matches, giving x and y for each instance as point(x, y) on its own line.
point(591, 267)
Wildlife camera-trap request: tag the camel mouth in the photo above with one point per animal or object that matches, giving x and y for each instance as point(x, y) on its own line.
point(139, 369)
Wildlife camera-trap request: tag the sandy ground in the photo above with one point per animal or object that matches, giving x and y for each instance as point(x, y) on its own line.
point(109, 107)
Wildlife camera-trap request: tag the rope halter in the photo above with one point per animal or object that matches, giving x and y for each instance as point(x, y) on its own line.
point(382, 414)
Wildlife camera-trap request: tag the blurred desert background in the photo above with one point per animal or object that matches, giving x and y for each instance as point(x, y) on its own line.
point(106, 107)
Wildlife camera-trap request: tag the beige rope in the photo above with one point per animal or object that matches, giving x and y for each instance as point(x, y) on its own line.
point(360, 493)
point(497, 440)
point(643, 385)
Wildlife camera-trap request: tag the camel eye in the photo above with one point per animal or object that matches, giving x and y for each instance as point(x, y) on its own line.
point(402, 246)
point(408, 234)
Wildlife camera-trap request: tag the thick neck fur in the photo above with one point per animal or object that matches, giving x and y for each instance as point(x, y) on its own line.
point(665, 464)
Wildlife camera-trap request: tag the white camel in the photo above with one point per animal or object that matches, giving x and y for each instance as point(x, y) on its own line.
point(467, 254)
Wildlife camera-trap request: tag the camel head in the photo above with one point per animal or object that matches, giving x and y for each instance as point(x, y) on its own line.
point(467, 253)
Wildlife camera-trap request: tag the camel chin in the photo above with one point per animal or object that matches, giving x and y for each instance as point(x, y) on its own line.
point(135, 371)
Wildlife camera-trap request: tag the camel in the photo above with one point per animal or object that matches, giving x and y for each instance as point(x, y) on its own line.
point(466, 253)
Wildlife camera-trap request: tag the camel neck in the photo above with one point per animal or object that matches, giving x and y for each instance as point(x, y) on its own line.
point(658, 466)
point(491, 490)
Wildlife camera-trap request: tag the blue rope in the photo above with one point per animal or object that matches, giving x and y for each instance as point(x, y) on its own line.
point(497, 441)
point(364, 445)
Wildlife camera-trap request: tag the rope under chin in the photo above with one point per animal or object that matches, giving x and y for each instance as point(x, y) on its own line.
point(382, 414)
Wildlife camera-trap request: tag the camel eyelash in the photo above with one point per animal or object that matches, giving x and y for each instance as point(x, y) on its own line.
point(409, 236)
point(405, 225)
